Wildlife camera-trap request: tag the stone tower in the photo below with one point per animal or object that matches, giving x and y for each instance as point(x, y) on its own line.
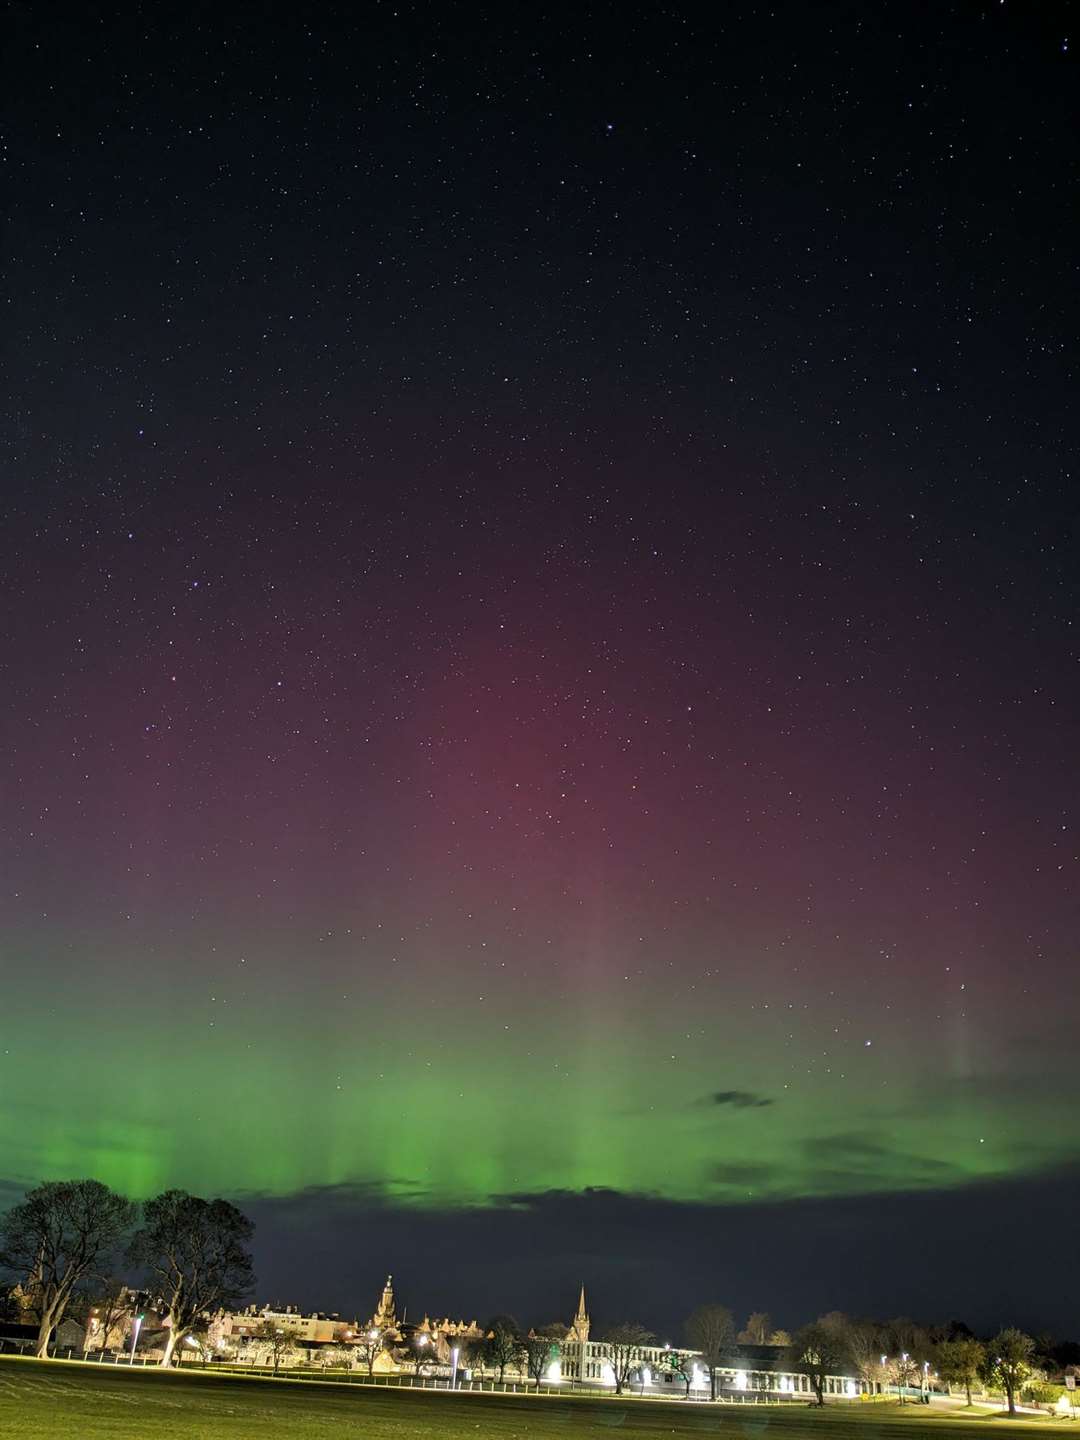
point(385, 1317)
point(579, 1326)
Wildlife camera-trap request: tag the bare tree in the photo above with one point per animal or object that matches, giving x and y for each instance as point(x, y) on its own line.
point(622, 1348)
point(680, 1363)
point(369, 1345)
point(820, 1350)
point(475, 1353)
point(196, 1251)
point(541, 1348)
point(110, 1302)
point(424, 1353)
point(909, 1349)
point(711, 1330)
point(279, 1340)
point(539, 1351)
point(58, 1235)
point(864, 1351)
point(961, 1361)
point(504, 1345)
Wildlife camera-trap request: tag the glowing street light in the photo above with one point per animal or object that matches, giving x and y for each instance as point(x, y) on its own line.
point(453, 1361)
point(135, 1336)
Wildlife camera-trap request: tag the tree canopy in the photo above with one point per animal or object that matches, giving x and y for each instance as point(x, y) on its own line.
point(57, 1237)
point(711, 1330)
point(1010, 1357)
point(622, 1348)
point(820, 1349)
point(195, 1252)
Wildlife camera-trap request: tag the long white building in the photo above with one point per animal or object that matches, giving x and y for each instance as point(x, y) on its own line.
point(746, 1373)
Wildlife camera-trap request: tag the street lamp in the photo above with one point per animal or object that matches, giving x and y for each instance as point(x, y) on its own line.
point(135, 1336)
point(453, 1361)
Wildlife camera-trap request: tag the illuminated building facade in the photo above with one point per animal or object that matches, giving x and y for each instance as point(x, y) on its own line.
point(748, 1371)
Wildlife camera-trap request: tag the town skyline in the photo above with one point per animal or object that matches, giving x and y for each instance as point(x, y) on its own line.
point(662, 1292)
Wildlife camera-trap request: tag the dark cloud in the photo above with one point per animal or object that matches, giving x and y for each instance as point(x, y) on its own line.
point(349, 1195)
point(742, 1175)
point(738, 1099)
point(849, 1163)
point(654, 1259)
point(856, 1154)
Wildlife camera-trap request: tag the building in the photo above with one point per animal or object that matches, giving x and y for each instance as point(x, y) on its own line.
point(314, 1338)
point(748, 1371)
point(387, 1344)
point(398, 1337)
point(112, 1317)
point(315, 1328)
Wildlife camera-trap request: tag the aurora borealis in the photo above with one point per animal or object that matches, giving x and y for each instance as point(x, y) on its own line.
point(541, 647)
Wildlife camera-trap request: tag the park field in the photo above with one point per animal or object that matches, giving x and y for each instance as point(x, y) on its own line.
point(61, 1400)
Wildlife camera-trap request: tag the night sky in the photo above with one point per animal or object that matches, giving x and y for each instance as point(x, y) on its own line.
point(539, 659)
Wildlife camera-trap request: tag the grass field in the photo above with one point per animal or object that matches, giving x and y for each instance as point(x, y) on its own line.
point(58, 1400)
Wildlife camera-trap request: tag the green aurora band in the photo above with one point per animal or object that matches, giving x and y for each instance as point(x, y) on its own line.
point(436, 1097)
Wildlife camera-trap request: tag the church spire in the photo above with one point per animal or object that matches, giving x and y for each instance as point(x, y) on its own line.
point(579, 1329)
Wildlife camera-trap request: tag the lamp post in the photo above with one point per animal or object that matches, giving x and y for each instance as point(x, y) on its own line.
point(453, 1373)
point(884, 1375)
point(135, 1336)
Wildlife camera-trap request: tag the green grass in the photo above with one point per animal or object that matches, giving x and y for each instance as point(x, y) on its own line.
point(60, 1400)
